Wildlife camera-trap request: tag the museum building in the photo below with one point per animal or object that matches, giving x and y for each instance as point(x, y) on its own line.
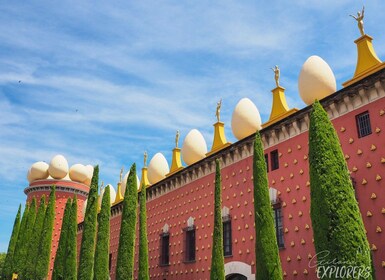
point(180, 199)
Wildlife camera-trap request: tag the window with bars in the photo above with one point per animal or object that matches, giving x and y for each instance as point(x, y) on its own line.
point(189, 244)
point(274, 160)
point(109, 262)
point(278, 224)
point(227, 244)
point(363, 124)
point(164, 247)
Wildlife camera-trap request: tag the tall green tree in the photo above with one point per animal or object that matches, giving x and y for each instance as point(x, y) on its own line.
point(339, 233)
point(58, 268)
point(33, 248)
point(102, 252)
point(16, 263)
point(43, 259)
point(70, 267)
point(217, 258)
point(87, 249)
point(125, 262)
point(7, 266)
point(143, 241)
point(266, 248)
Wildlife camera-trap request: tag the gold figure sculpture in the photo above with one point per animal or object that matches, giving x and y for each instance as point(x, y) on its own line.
point(276, 74)
point(121, 174)
point(218, 111)
point(360, 20)
point(177, 138)
point(145, 159)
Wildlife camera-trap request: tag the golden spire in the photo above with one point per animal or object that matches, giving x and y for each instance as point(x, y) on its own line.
point(219, 141)
point(176, 163)
point(367, 59)
point(280, 109)
point(119, 196)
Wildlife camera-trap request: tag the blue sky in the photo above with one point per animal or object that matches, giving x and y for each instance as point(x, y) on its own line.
point(100, 82)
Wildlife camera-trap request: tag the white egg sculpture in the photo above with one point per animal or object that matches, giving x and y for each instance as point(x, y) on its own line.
point(158, 168)
point(246, 119)
point(112, 194)
point(316, 80)
point(39, 170)
point(58, 167)
point(78, 173)
point(84, 207)
point(29, 178)
point(194, 147)
point(124, 183)
point(90, 172)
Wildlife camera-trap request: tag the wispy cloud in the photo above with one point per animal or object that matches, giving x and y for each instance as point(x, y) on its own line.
point(100, 82)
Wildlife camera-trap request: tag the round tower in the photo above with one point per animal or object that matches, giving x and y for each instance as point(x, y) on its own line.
point(67, 182)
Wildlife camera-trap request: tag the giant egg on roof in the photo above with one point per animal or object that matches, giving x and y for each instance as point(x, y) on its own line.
point(124, 182)
point(78, 173)
point(112, 194)
point(316, 80)
point(39, 170)
point(58, 167)
point(246, 119)
point(158, 168)
point(194, 147)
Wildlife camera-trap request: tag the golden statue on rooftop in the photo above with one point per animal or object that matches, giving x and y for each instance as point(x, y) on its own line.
point(360, 20)
point(277, 74)
point(177, 138)
point(218, 111)
point(121, 174)
point(145, 159)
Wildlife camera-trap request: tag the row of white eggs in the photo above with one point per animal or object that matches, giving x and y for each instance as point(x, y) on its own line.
point(58, 169)
point(316, 81)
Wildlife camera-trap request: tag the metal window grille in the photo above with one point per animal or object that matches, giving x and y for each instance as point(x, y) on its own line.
point(363, 124)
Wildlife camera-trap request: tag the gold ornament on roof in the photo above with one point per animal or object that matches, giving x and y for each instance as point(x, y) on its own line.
point(360, 20)
point(145, 159)
point(177, 138)
point(277, 74)
point(218, 111)
point(121, 174)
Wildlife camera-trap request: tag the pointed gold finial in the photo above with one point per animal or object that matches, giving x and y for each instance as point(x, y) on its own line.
point(177, 138)
point(367, 59)
point(219, 141)
point(119, 196)
point(280, 109)
point(144, 180)
point(176, 163)
point(360, 20)
point(145, 159)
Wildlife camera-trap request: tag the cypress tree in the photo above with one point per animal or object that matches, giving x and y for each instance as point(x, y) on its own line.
point(42, 264)
point(337, 223)
point(70, 268)
point(125, 262)
point(7, 267)
point(143, 241)
point(20, 239)
point(87, 249)
point(33, 248)
point(58, 268)
point(266, 248)
point(23, 257)
point(217, 258)
point(101, 271)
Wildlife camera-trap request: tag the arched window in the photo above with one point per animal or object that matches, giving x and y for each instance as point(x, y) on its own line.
point(165, 246)
point(277, 214)
point(189, 234)
point(227, 234)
